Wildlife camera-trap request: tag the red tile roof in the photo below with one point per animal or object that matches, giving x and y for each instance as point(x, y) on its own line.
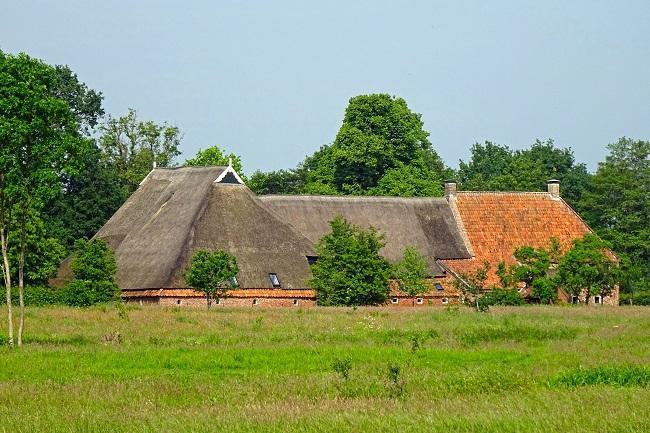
point(497, 223)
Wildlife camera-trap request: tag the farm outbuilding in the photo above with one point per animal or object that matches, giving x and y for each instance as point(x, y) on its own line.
point(177, 211)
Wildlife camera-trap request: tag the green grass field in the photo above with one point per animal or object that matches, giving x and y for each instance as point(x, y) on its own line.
point(529, 369)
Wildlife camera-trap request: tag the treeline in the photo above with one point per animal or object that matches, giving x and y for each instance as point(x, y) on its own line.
point(84, 163)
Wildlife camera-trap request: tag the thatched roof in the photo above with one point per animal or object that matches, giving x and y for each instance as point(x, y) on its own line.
point(427, 224)
point(177, 211)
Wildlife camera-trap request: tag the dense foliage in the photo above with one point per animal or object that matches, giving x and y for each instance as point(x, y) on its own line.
point(213, 273)
point(411, 272)
point(215, 156)
point(350, 270)
point(94, 268)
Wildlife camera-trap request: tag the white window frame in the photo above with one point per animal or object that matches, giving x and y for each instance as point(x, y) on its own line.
point(577, 299)
point(419, 301)
point(598, 299)
point(255, 301)
point(394, 301)
point(445, 301)
point(295, 302)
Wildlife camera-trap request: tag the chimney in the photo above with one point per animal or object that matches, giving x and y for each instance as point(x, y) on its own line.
point(450, 188)
point(554, 188)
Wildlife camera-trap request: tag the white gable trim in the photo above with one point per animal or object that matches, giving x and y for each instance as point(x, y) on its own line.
point(223, 174)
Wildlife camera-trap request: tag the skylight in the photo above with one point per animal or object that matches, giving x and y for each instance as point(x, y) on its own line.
point(274, 279)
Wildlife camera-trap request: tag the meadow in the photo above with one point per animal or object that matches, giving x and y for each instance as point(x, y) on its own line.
point(154, 369)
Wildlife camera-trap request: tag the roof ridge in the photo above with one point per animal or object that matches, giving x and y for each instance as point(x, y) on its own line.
point(504, 192)
point(350, 197)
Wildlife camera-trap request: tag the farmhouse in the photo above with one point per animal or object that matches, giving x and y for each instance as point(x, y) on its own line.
point(176, 211)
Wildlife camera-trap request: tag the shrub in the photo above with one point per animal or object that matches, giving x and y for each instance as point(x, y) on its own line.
point(83, 293)
point(94, 268)
point(638, 298)
point(499, 296)
point(544, 290)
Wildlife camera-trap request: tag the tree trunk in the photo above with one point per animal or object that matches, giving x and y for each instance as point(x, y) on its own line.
point(209, 300)
point(21, 280)
point(7, 278)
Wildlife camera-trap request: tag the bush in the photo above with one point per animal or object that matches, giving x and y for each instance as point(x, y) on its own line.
point(83, 293)
point(544, 290)
point(638, 298)
point(94, 268)
point(499, 296)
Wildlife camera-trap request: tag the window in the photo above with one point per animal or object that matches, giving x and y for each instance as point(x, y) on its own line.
point(178, 302)
point(394, 300)
point(295, 302)
point(254, 301)
point(234, 282)
point(445, 300)
point(438, 286)
point(217, 301)
point(274, 280)
point(574, 299)
point(420, 301)
point(597, 299)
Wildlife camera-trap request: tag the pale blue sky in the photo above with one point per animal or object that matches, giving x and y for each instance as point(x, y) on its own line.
point(270, 80)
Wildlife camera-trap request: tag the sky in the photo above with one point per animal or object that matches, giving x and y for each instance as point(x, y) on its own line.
point(270, 80)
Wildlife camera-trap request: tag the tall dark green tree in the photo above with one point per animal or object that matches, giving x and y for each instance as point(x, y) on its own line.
point(349, 270)
point(494, 167)
point(380, 149)
point(617, 206)
point(40, 140)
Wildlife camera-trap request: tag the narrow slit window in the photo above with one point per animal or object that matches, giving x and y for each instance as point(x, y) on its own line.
point(274, 280)
point(255, 301)
point(295, 302)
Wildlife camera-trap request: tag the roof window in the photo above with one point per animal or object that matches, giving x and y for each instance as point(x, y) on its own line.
point(233, 281)
point(274, 279)
point(438, 286)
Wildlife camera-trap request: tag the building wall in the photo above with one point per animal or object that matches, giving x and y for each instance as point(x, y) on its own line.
point(238, 302)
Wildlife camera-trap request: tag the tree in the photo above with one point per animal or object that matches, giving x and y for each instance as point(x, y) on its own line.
point(472, 287)
point(86, 200)
point(40, 139)
point(616, 205)
point(215, 156)
point(494, 167)
point(85, 103)
point(278, 182)
point(379, 133)
point(349, 270)
point(213, 273)
point(587, 269)
point(94, 268)
point(411, 273)
point(133, 146)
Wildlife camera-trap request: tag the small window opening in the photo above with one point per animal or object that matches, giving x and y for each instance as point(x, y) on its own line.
point(217, 301)
point(438, 286)
point(234, 282)
point(255, 301)
point(574, 299)
point(274, 280)
point(420, 301)
point(445, 300)
point(597, 299)
point(178, 302)
point(295, 302)
point(394, 300)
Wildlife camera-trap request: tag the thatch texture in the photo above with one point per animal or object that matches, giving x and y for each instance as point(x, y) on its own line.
point(427, 224)
point(177, 211)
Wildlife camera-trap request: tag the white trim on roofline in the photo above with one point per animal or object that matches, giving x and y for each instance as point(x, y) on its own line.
point(227, 170)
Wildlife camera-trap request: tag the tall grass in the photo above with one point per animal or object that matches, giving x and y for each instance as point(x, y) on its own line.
point(533, 369)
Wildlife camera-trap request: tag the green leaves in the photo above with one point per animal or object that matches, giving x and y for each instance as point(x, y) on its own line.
point(212, 272)
point(94, 269)
point(215, 156)
point(411, 272)
point(349, 269)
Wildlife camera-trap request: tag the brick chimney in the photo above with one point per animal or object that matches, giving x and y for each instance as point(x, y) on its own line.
point(450, 188)
point(554, 188)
